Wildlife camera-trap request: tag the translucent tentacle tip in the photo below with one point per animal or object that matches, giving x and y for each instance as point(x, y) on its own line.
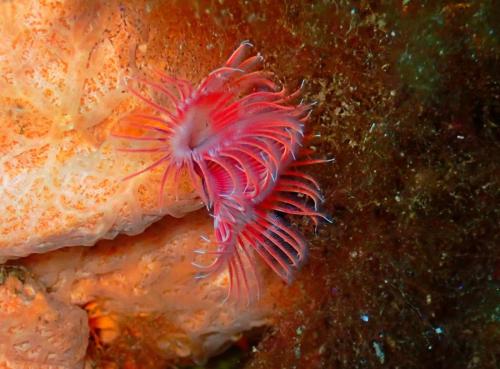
point(201, 275)
point(246, 43)
point(201, 266)
point(205, 238)
point(328, 218)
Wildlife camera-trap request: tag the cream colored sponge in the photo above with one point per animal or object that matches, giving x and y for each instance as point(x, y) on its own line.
point(63, 69)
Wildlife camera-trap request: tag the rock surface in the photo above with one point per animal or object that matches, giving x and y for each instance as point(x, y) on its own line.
point(147, 282)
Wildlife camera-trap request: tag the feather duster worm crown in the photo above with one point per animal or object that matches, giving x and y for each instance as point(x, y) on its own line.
point(238, 136)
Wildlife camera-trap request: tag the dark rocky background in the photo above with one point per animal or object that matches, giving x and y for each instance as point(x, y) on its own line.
point(409, 106)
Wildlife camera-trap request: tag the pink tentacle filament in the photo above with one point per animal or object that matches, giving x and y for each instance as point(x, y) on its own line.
point(237, 136)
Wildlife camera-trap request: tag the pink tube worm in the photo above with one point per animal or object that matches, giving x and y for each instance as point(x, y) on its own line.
point(244, 224)
point(238, 138)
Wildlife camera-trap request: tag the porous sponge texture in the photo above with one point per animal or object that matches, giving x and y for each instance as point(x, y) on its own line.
point(147, 284)
point(63, 69)
point(37, 330)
